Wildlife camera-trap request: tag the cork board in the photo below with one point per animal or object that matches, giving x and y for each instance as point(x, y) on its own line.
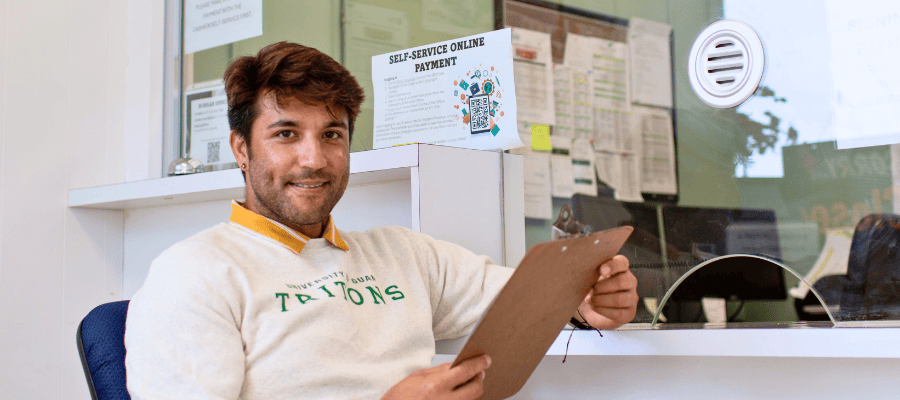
point(559, 20)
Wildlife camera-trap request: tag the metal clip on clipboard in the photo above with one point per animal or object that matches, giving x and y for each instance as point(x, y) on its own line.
point(566, 227)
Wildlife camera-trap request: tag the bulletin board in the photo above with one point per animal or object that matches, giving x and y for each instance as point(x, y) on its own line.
point(559, 21)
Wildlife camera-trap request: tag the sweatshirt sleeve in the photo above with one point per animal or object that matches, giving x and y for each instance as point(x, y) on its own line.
point(462, 284)
point(182, 332)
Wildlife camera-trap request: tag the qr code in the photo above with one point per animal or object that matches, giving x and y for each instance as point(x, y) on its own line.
point(480, 113)
point(212, 152)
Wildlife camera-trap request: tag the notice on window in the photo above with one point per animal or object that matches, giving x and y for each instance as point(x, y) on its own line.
point(561, 167)
point(832, 260)
point(538, 203)
point(365, 37)
point(534, 76)
point(456, 17)
point(211, 23)
point(583, 167)
point(610, 74)
point(654, 127)
point(865, 52)
point(458, 93)
point(651, 66)
point(629, 186)
point(206, 126)
point(607, 164)
point(563, 101)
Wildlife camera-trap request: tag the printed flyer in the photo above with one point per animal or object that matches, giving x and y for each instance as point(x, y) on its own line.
point(458, 93)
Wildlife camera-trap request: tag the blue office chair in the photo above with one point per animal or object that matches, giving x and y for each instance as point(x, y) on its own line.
point(101, 345)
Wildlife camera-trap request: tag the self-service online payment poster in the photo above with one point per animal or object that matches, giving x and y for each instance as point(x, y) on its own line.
point(456, 93)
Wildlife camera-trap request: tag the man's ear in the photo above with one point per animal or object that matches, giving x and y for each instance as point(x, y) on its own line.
point(240, 148)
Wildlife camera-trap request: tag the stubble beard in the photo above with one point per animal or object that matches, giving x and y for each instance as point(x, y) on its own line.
point(273, 199)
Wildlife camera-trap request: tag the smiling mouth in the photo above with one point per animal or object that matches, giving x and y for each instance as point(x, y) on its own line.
point(309, 186)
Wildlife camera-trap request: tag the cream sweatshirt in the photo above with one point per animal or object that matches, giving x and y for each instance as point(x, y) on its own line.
point(242, 311)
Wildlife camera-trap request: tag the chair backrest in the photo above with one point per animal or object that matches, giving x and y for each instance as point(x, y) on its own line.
point(101, 345)
point(872, 289)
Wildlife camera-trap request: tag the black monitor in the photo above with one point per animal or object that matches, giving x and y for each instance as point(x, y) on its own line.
point(692, 235)
point(720, 231)
point(701, 233)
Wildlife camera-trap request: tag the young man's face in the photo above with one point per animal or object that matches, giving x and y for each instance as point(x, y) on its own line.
point(300, 163)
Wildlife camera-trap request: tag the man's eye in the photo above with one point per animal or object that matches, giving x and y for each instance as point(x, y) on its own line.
point(285, 134)
point(332, 135)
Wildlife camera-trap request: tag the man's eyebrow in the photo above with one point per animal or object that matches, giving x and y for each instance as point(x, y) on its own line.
point(282, 123)
point(337, 124)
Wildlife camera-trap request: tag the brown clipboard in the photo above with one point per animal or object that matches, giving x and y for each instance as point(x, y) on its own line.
point(535, 305)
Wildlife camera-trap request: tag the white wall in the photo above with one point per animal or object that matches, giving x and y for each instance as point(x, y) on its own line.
point(78, 80)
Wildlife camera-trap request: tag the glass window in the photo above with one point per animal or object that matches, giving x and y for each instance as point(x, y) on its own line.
point(799, 172)
point(349, 31)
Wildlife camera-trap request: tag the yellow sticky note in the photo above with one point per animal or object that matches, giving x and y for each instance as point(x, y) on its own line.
point(540, 137)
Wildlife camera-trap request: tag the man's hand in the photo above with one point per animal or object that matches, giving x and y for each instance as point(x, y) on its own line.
point(613, 300)
point(464, 381)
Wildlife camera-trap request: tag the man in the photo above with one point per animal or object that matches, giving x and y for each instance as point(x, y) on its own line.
point(278, 303)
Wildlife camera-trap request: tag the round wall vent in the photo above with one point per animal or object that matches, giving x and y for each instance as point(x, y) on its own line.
point(726, 63)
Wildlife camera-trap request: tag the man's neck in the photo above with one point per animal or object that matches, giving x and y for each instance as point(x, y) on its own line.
point(313, 231)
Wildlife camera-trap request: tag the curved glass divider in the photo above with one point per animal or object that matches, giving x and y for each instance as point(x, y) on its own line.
point(719, 259)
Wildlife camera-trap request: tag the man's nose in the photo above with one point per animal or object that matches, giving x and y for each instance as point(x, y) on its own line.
point(311, 153)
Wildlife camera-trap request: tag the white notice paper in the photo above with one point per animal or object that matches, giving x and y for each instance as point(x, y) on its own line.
point(654, 127)
point(607, 166)
point(458, 93)
point(608, 60)
point(211, 23)
point(455, 17)
point(578, 51)
point(714, 309)
point(533, 66)
point(561, 167)
point(612, 130)
point(651, 66)
point(583, 167)
point(865, 39)
point(206, 123)
point(629, 185)
point(832, 260)
point(610, 79)
point(563, 101)
point(365, 37)
point(582, 109)
point(538, 203)
point(604, 114)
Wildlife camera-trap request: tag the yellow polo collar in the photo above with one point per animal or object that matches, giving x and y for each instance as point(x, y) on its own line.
point(282, 234)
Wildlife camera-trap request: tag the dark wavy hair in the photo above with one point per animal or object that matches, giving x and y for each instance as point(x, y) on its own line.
point(288, 70)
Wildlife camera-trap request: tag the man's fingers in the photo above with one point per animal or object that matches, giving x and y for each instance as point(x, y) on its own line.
point(464, 372)
point(624, 281)
point(623, 299)
point(473, 389)
point(614, 266)
point(617, 316)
